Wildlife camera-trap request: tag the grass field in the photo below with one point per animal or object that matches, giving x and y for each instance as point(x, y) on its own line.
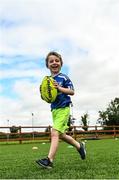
point(18, 161)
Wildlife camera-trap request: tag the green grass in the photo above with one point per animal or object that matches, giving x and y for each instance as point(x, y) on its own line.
point(18, 161)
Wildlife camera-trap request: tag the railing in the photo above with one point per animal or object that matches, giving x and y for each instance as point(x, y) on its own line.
point(27, 133)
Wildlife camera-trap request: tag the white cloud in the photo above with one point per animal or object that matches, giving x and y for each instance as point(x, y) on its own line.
point(21, 73)
point(1, 88)
point(19, 111)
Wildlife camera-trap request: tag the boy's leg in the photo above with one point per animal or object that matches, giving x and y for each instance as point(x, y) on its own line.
point(47, 162)
point(70, 140)
point(79, 146)
point(54, 144)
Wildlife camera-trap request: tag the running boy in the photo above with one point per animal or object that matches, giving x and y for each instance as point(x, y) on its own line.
point(60, 110)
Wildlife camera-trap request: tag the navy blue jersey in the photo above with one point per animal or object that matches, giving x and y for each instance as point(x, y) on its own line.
point(62, 100)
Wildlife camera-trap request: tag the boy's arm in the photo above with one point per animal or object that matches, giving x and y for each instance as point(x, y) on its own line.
point(63, 90)
point(66, 90)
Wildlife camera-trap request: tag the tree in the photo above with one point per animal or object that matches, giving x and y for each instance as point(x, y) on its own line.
point(84, 120)
point(110, 116)
point(102, 117)
point(71, 121)
point(13, 130)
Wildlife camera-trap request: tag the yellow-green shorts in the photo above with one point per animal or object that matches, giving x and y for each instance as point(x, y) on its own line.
point(60, 119)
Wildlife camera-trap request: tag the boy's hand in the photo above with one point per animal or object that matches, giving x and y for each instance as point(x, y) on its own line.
point(56, 85)
point(62, 89)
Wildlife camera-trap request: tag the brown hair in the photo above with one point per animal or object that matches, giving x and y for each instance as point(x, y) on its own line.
point(55, 54)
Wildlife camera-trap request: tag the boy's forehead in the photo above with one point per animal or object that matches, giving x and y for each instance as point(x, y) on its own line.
point(53, 57)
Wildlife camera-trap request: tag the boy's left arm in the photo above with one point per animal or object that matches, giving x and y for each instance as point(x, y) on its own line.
point(63, 90)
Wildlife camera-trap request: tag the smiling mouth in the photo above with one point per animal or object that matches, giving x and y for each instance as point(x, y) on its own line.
point(55, 67)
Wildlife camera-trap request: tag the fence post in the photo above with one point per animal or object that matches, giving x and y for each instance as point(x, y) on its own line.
point(8, 134)
point(20, 139)
point(49, 133)
point(96, 134)
point(114, 129)
point(74, 132)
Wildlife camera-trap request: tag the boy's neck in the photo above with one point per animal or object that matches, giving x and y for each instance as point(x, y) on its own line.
point(53, 75)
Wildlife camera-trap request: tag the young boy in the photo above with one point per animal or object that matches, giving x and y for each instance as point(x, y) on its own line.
point(60, 110)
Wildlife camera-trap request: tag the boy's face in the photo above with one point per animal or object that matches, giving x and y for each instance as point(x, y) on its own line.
point(54, 64)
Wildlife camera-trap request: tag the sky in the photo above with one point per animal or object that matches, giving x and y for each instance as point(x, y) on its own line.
point(84, 32)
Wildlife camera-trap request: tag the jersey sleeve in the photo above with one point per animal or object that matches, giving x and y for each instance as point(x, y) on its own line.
point(68, 84)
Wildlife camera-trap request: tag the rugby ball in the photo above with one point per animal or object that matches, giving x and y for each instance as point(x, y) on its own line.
point(47, 90)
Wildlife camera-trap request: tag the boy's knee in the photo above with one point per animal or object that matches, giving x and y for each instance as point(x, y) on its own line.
point(62, 136)
point(54, 133)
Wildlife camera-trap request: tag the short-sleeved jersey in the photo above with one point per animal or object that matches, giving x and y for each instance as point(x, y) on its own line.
point(62, 100)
